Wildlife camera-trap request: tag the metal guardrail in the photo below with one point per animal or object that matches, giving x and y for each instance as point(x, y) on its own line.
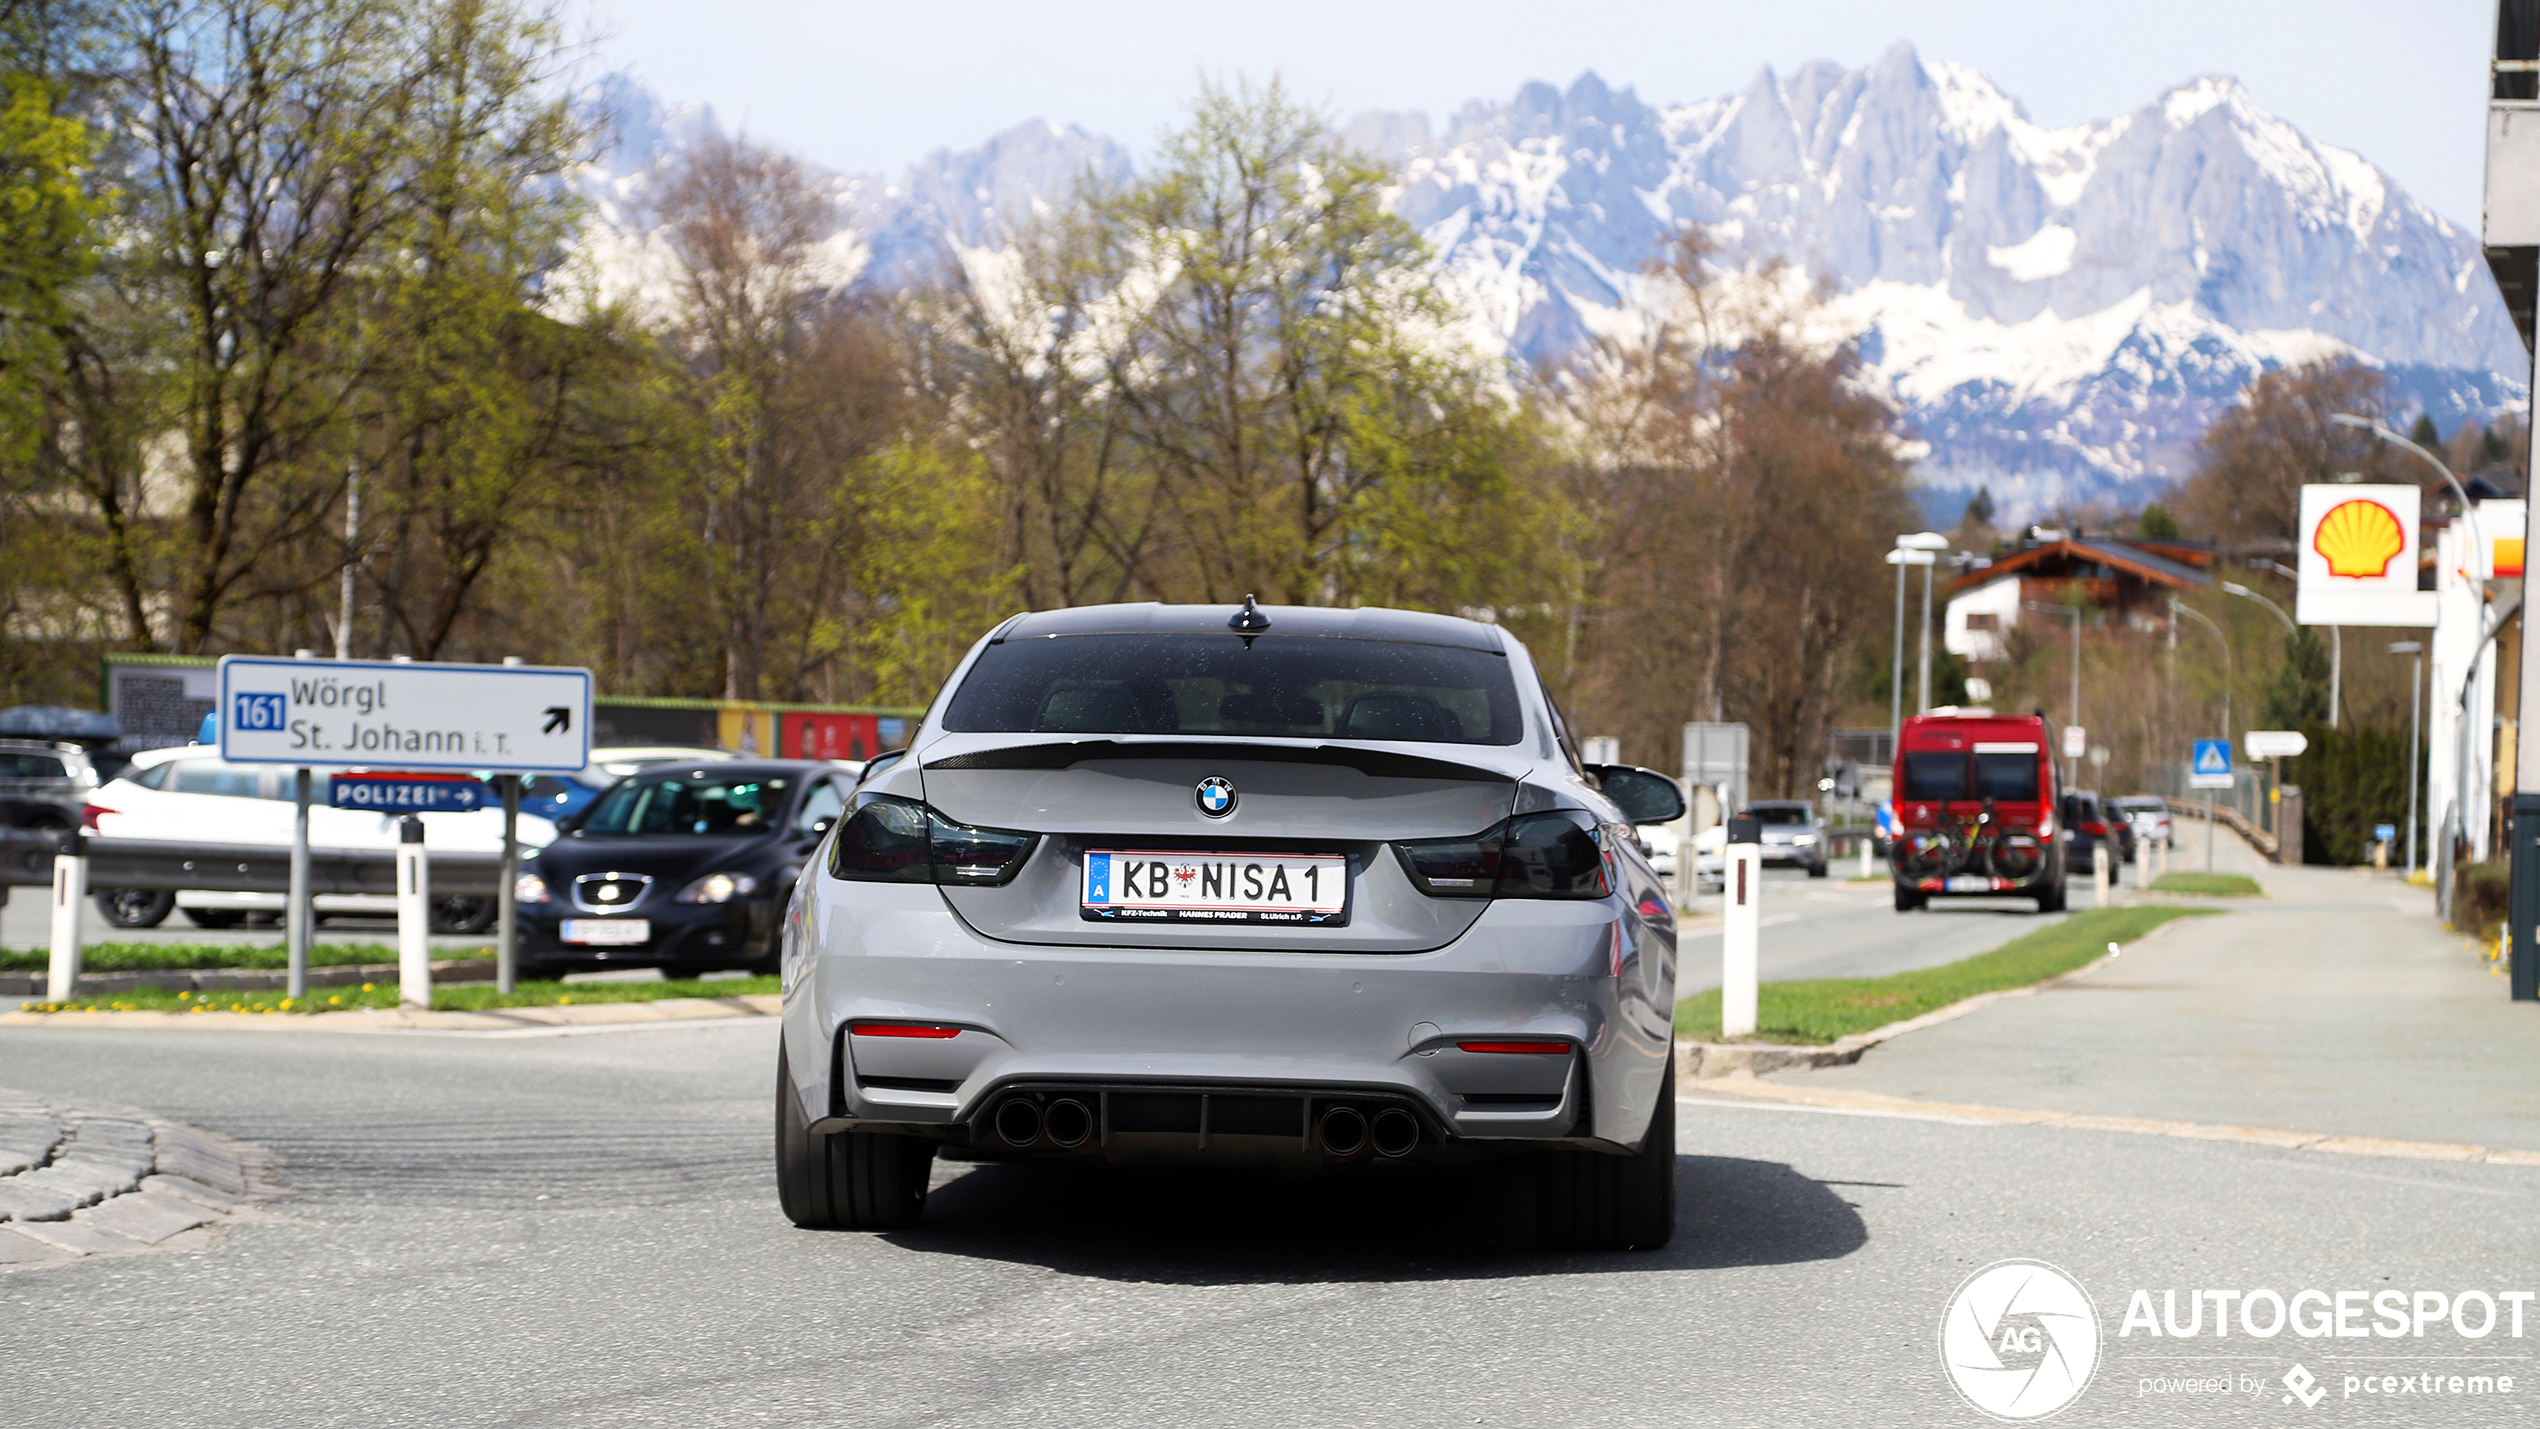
point(26, 861)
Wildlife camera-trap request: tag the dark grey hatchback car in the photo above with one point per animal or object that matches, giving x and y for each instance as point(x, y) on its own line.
point(681, 867)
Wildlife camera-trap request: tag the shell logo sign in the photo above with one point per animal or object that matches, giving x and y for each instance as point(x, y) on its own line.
point(2358, 539)
point(2358, 557)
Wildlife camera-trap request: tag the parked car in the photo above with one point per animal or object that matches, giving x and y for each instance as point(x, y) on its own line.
point(1976, 811)
point(2146, 814)
point(1285, 887)
point(189, 794)
point(2087, 825)
point(553, 796)
point(43, 785)
point(683, 866)
point(1793, 834)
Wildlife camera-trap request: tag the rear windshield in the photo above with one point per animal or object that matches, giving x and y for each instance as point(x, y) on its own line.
point(2007, 777)
point(697, 803)
point(30, 766)
point(1293, 686)
point(1937, 775)
point(1785, 814)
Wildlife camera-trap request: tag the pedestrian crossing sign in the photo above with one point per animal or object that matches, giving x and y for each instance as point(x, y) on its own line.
point(2211, 768)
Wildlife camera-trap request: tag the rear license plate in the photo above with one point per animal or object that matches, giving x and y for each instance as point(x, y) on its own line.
point(1168, 886)
point(1969, 883)
point(610, 931)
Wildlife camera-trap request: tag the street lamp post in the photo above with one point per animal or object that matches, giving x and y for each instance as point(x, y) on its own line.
point(2072, 711)
point(2416, 711)
point(2177, 610)
point(1927, 545)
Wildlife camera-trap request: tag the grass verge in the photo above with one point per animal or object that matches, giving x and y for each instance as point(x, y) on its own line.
point(168, 957)
point(473, 998)
point(1808, 1014)
point(2218, 885)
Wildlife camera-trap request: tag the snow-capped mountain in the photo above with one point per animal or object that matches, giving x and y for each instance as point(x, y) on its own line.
point(2058, 312)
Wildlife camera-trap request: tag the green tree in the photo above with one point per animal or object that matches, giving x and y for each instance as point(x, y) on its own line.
point(2297, 689)
point(2157, 524)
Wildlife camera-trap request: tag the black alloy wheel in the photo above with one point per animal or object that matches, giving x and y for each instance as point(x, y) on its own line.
point(135, 907)
point(460, 913)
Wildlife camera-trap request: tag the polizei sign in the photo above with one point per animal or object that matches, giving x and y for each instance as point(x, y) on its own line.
point(522, 719)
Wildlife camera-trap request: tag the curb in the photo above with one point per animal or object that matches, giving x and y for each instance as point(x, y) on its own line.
point(1708, 1061)
point(237, 979)
point(1844, 1099)
point(516, 1021)
point(82, 1180)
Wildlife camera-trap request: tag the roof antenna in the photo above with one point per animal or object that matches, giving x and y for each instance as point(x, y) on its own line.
point(1249, 620)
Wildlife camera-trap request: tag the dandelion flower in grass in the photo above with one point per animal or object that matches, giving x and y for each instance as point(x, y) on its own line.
point(335, 1002)
point(366, 987)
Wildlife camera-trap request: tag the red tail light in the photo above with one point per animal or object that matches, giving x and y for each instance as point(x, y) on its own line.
point(1552, 1049)
point(2095, 829)
point(900, 1029)
point(88, 815)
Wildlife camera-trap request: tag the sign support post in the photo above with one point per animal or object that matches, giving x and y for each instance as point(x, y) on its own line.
point(506, 892)
point(297, 917)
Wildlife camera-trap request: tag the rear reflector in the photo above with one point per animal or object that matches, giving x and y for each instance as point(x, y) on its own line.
point(1547, 1048)
point(900, 1029)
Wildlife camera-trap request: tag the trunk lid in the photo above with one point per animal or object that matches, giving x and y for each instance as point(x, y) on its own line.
point(1292, 796)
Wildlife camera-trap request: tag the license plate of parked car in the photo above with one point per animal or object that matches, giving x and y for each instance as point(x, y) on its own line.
point(1135, 885)
point(613, 931)
point(1970, 883)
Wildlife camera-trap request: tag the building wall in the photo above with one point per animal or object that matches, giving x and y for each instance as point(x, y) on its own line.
point(1999, 599)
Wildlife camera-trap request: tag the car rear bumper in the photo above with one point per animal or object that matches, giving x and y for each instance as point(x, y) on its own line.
point(1147, 1021)
point(707, 935)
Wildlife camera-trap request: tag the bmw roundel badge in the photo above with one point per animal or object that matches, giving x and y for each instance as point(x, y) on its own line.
point(1216, 797)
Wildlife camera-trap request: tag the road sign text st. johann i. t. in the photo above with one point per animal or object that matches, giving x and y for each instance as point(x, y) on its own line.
point(380, 714)
point(2211, 768)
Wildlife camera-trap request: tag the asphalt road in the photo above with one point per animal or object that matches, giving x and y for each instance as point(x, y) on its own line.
point(582, 1230)
point(1829, 927)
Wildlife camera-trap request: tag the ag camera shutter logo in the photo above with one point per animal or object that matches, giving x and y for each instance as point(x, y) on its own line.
point(262, 712)
point(2019, 1341)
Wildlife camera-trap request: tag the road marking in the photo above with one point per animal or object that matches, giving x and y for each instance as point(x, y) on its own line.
point(1846, 1100)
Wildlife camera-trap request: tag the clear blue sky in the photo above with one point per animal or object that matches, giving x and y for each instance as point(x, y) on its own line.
point(870, 87)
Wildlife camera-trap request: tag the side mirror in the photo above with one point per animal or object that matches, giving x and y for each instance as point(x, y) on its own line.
point(1645, 795)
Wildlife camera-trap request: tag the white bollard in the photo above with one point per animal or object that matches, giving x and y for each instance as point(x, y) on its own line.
point(414, 916)
point(2099, 873)
point(1868, 842)
point(1742, 896)
point(70, 891)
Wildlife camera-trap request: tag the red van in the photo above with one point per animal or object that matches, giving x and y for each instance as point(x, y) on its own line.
point(1975, 798)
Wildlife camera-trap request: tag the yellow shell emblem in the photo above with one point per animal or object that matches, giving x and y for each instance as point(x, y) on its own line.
point(2359, 538)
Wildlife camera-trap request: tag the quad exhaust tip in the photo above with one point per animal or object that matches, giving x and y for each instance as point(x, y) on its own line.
point(1343, 1131)
point(1019, 1122)
point(1394, 1132)
point(1068, 1122)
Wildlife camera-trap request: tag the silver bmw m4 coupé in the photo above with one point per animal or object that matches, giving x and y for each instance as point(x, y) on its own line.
point(1268, 886)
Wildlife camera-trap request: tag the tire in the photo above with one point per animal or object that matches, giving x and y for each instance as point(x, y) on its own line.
point(852, 1180)
point(461, 913)
point(135, 907)
point(2051, 902)
point(1816, 870)
point(1910, 900)
point(214, 917)
point(1589, 1200)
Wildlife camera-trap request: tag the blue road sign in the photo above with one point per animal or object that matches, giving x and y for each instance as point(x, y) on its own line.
point(405, 793)
point(2211, 768)
point(2384, 833)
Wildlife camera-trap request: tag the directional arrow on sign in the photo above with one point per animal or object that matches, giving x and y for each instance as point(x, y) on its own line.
point(559, 717)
